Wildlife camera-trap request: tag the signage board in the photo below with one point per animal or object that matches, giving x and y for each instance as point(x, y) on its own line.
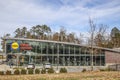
point(25, 46)
point(14, 45)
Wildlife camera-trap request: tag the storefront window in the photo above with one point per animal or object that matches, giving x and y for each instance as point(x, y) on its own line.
point(56, 53)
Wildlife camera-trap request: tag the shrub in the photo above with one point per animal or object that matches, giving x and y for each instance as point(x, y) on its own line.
point(102, 69)
point(17, 72)
point(43, 71)
point(8, 72)
point(84, 70)
point(107, 69)
point(17, 68)
point(30, 71)
point(110, 69)
point(63, 70)
point(23, 71)
point(51, 70)
point(1, 73)
point(37, 71)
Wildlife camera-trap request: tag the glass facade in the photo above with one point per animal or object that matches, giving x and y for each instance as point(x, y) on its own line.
point(56, 53)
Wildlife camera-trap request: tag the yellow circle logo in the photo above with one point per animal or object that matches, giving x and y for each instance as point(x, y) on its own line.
point(15, 45)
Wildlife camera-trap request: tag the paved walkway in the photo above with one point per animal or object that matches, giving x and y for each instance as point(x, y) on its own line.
point(4, 67)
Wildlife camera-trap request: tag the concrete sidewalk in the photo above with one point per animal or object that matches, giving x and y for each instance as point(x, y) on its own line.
point(4, 67)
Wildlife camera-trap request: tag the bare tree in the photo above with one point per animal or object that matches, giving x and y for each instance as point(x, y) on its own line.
point(100, 36)
point(71, 37)
point(3, 42)
point(81, 38)
point(56, 36)
point(92, 34)
point(62, 33)
point(92, 31)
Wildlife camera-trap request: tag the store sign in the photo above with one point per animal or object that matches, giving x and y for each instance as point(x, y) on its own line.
point(14, 45)
point(25, 46)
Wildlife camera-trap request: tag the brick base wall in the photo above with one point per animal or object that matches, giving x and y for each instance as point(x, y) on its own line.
point(112, 58)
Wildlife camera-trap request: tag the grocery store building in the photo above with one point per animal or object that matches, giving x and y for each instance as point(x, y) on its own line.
point(21, 51)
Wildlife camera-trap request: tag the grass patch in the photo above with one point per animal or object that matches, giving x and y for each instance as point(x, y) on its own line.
point(104, 75)
point(42, 79)
point(92, 76)
point(59, 79)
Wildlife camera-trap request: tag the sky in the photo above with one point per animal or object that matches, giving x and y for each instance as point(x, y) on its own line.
point(72, 14)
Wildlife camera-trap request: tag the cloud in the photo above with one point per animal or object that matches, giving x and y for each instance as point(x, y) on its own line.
point(73, 14)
